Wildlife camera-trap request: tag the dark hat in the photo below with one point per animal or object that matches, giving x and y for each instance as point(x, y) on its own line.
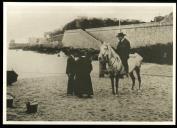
point(120, 34)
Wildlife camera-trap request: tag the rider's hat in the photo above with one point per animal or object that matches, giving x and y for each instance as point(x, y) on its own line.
point(121, 34)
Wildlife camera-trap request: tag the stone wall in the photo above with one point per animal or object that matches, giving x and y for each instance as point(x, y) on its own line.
point(79, 39)
point(138, 35)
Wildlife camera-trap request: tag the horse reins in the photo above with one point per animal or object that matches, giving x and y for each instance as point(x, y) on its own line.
point(105, 51)
point(113, 62)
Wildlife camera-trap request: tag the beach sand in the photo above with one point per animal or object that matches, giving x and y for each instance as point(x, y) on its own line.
point(152, 103)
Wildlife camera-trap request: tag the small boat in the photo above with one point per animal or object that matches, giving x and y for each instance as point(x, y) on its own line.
point(11, 77)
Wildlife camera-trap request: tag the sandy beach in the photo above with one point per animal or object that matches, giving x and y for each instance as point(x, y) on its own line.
point(152, 103)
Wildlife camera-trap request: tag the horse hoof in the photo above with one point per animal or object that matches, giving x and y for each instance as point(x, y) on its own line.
point(117, 95)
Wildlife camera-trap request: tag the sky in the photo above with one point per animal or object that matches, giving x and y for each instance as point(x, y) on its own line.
point(27, 21)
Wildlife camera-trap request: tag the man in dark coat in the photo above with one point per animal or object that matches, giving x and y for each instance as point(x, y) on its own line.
point(70, 71)
point(83, 79)
point(123, 49)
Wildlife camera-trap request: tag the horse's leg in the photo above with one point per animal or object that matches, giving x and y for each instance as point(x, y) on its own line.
point(133, 79)
point(112, 84)
point(117, 85)
point(138, 75)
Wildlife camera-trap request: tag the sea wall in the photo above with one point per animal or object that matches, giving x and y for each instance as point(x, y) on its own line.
point(138, 35)
point(79, 39)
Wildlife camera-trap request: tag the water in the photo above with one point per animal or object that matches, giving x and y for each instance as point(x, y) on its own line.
point(29, 64)
point(32, 64)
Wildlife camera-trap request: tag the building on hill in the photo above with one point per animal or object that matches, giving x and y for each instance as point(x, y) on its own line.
point(12, 43)
point(168, 19)
point(37, 40)
point(53, 40)
point(42, 40)
point(56, 38)
point(47, 35)
point(17, 45)
point(33, 40)
point(47, 41)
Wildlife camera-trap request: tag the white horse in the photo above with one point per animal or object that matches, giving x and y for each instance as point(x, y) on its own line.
point(116, 68)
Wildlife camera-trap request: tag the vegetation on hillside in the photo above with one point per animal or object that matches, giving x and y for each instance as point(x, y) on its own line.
point(85, 23)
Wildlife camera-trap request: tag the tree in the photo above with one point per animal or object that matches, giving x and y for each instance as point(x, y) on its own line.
point(85, 23)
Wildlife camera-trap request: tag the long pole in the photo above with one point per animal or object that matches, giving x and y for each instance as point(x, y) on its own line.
point(119, 25)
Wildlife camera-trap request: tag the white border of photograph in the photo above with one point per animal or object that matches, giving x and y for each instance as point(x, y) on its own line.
point(5, 4)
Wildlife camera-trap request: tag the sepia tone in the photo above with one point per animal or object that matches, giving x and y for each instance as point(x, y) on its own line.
point(40, 61)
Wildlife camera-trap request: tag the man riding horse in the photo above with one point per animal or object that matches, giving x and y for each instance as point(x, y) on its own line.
point(123, 50)
point(116, 68)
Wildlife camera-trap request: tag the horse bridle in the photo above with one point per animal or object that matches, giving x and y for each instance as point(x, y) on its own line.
point(114, 60)
point(105, 51)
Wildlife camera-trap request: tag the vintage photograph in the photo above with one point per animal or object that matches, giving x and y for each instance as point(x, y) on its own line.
point(89, 63)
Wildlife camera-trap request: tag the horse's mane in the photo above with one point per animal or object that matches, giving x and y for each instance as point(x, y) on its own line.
point(113, 50)
point(119, 66)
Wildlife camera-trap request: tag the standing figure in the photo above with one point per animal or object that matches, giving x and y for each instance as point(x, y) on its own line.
point(70, 71)
point(83, 79)
point(123, 50)
point(102, 68)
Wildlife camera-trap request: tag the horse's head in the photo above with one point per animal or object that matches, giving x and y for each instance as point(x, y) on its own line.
point(104, 52)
